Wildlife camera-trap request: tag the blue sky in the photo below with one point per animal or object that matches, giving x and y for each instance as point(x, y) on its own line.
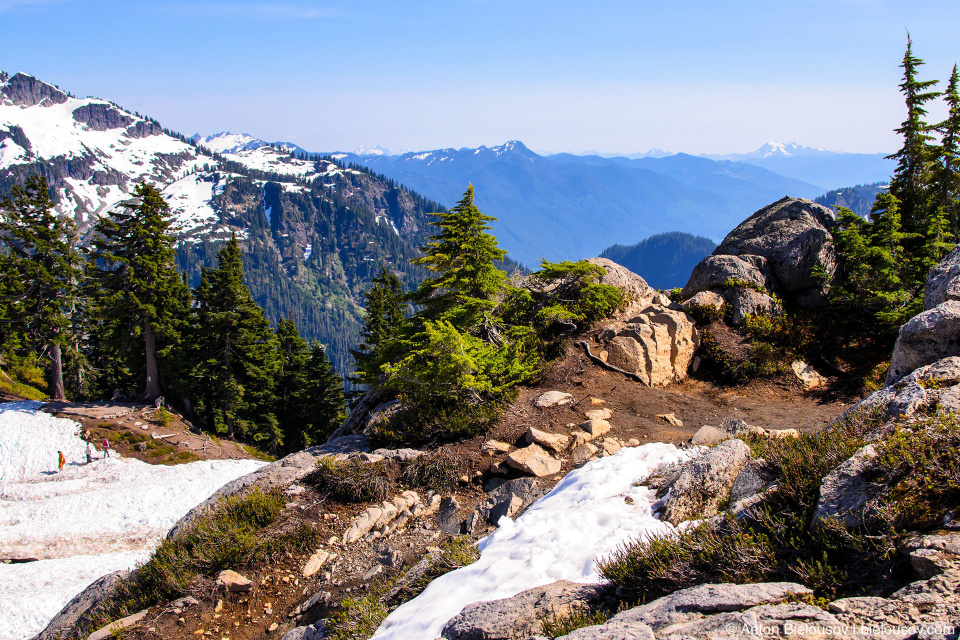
point(560, 75)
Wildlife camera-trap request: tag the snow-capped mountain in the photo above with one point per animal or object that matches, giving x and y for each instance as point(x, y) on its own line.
point(823, 167)
point(315, 232)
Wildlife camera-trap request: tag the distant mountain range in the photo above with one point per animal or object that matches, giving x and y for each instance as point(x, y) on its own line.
point(827, 169)
point(571, 207)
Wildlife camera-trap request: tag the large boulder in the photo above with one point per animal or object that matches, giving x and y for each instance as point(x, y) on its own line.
point(639, 293)
point(521, 615)
point(704, 483)
point(779, 248)
point(657, 345)
point(943, 282)
point(714, 270)
point(926, 338)
point(933, 387)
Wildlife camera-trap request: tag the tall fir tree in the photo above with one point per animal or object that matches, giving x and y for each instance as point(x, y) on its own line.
point(42, 267)
point(467, 283)
point(325, 403)
point(237, 354)
point(914, 174)
point(384, 317)
point(140, 288)
point(948, 170)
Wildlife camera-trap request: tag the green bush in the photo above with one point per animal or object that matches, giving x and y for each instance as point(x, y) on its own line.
point(352, 480)
point(704, 314)
point(422, 423)
point(557, 626)
point(356, 618)
point(920, 468)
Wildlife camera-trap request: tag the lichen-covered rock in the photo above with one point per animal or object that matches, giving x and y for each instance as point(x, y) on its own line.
point(932, 387)
point(508, 499)
point(806, 375)
point(716, 270)
point(553, 399)
point(793, 234)
point(521, 615)
point(943, 281)
point(705, 482)
point(926, 338)
point(845, 492)
point(703, 299)
point(745, 302)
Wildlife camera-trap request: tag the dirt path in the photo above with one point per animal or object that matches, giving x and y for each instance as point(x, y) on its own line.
point(148, 434)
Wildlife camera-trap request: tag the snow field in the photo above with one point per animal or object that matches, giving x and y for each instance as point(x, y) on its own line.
point(561, 537)
point(85, 521)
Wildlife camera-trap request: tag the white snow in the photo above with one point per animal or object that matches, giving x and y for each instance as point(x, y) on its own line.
point(191, 201)
point(85, 521)
point(585, 517)
point(307, 252)
point(11, 153)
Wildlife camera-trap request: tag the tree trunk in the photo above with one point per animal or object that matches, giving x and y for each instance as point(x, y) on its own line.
point(56, 374)
point(152, 391)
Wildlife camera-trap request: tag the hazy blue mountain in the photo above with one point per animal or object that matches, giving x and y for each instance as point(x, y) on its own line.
point(665, 260)
point(828, 169)
point(571, 207)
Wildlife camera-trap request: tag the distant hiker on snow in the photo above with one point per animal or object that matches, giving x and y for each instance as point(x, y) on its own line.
point(89, 453)
point(60, 460)
point(106, 448)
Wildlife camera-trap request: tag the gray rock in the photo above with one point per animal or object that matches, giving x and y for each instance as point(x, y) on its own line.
point(521, 615)
point(845, 493)
point(392, 558)
point(707, 436)
point(78, 610)
point(509, 499)
point(357, 420)
point(793, 234)
point(705, 482)
point(797, 621)
point(926, 338)
point(399, 455)
point(26, 91)
point(613, 631)
point(713, 271)
point(101, 116)
point(934, 554)
point(447, 516)
point(639, 293)
point(747, 302)
point(706, 599)
point(314, 631)
point(704, 299)
point(943, 282)
point(553, 399)
point(748, 483)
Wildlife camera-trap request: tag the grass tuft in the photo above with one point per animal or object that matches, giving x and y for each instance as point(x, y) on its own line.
point(352, 480)
point(439, 472)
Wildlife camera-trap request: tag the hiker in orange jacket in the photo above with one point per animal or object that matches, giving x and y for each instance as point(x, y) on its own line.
point(60, 460)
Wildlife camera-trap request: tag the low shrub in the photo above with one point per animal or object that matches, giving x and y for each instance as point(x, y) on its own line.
point(778, 543)
point(352, 480)
point(919, 467)
point(184, 457)
point(428, 423)
point(163, 417)
point(439, 472)
point(555, 626)
point(357, 618)
point(704, 314)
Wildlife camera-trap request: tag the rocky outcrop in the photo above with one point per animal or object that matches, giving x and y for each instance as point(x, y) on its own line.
point(926, 338)
point(520, 615)
point(534, 460)
point(943, 281)
point(26, 91)
point(639, 294)
point(508, 499)
point(935, 388)
point(77, 611)
point(704, 483)
point(101, 116)
point(656, 346)
point(779, 248)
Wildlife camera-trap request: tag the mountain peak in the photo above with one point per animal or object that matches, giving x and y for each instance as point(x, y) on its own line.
point(24, 90)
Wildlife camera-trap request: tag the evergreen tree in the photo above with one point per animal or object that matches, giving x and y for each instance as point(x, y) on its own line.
point(41, 269)
point(325, 403)
point(467, 283)
point(237, 354)
point(140, 290)
point(384, 316)
point(911, 181)
point(948, 171)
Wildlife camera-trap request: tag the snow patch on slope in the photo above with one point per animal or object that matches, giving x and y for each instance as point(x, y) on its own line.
point(85, 521)
point(586, 517)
